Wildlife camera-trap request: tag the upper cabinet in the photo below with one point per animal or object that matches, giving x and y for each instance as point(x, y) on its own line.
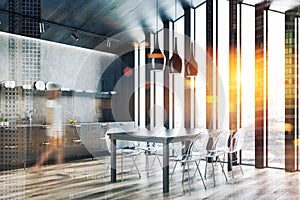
point(117, 71)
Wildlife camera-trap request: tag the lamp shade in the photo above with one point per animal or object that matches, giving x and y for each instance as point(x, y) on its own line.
point(175, 62)
point(157, 58)
point(191, 66)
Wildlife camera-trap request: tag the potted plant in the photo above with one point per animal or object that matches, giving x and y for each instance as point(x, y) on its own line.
point(6, 121)
point(1, 121)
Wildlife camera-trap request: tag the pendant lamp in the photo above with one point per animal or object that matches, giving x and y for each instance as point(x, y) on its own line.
point(175, 62)
point(157, 57)
point(191, 65)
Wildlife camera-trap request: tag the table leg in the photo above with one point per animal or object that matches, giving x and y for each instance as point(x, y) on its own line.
point(166, 167)
point(229, 164)
point(113, 162)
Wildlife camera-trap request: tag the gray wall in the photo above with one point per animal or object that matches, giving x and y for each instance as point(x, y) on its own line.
point(73, 67)
point(3, 56)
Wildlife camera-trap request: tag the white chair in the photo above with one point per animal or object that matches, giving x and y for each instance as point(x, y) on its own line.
point(236, 145)
point(149, 149)
point(195, 152)
point(176, 149)
point(126, 149)
point(219, 148)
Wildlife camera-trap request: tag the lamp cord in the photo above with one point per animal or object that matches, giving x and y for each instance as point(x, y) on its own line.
point(156, 17)
point(175, 26)
point(175, 10)
point(193, 45)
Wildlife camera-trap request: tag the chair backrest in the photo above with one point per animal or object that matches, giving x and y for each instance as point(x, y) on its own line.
point(107, 139)
point(198, 145)
point(176, 148)
point(237, 140)
point(221, 142)
point(120, 143)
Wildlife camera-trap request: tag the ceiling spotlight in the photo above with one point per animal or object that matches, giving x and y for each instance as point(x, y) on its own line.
point(75, 37)
point(108, 43)
point(42, 27)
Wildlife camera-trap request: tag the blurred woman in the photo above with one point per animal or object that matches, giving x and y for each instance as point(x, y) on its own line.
point(54, 127)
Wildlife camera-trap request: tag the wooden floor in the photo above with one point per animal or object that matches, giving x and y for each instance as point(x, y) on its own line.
point(87, 179)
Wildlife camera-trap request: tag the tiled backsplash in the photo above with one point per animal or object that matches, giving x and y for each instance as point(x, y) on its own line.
point(82, 109)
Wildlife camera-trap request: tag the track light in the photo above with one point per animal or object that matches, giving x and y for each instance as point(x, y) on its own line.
point(74, 36)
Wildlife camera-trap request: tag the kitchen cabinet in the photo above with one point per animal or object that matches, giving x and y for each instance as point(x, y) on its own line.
point(93, 135)
point(23, 145)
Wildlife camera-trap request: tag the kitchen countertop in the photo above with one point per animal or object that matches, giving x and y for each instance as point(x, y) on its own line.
point(64, 124)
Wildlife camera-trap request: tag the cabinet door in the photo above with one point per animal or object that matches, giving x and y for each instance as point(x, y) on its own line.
point(73, 146)
point(93, 139)
point(38, 142)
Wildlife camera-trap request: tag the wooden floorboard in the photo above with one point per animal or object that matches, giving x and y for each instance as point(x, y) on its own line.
point(88, 179)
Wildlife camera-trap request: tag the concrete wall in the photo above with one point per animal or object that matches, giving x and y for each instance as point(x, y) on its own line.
point(71, 67)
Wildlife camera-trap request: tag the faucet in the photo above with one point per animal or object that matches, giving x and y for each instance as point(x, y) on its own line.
point(30, 116)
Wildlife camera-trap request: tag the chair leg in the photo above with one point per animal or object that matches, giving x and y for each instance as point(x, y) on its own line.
point(131, 167)
point(240, 165)
point(197, 164)
point(183, 173)
point(189, 177)
point(156, 157)
point(108, 166)
point(196, 169)
point(122, 167)
point(134, 159)
point(205, 168)
point(107, 169)
point(158, 160)
point(153, 161)
point(239, 162)
point(213, 173)
point(147, 163)
point(173, 169)
point(222, 166)
point(241, 169)
point(232, 166)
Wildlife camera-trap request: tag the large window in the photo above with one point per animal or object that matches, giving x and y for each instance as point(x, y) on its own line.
point(139, 87)
point(248, 81)
point(297, 71)
point(200, 37)
point(275, 23)
point(223, 65)
point(276, 90)
point(157, 78)
point(178, 79)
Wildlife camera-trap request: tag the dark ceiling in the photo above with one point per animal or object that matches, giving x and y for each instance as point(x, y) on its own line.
point(123, 21)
